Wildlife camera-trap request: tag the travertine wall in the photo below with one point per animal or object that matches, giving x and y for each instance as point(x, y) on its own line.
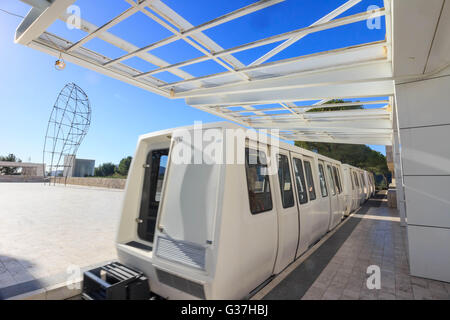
point(20, 178)
point(424, 125)
point(95, 182)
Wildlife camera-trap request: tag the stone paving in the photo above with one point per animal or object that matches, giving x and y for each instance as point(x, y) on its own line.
point(45, 229)
point(377, 240)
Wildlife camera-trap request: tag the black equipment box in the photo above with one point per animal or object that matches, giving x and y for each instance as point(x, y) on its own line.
point(115, 281)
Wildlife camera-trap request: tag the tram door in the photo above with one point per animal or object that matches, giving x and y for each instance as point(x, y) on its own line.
point(155, 169)
point(287, 210)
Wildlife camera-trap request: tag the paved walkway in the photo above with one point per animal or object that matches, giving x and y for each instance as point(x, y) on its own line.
point(336, 268)
point(379, 240)
point(46, 229)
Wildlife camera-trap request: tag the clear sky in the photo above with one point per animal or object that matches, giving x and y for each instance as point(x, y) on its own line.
point(29, 84)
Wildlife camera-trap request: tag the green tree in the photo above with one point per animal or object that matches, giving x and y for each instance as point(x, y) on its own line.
point(124, 166)
point(105, 170)
point(354, 154)
point(357, 155)
point(334, 101)
point(9, 170)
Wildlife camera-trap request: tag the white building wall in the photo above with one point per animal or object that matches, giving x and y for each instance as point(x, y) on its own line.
point(424, 123)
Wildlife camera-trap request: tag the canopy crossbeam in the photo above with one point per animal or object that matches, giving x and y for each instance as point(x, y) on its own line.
point(359, 73)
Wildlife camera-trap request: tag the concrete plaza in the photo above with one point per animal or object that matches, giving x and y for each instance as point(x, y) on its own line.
point(46, 229)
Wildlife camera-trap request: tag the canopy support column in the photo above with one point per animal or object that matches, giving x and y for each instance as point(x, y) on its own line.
point(398, 172)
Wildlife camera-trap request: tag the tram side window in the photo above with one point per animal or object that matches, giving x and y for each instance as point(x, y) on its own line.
point(310, 180)
point(337, 180)
point(363, 183)
point(323, 185)
point(258, 184)
point(161, 173)
point(356, 179)
point(300, 179)
point(332, 184)
point(284, 176)
point(353, 184)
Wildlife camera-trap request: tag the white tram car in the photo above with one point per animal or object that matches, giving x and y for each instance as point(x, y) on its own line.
point(359, 185)
point(218, 231)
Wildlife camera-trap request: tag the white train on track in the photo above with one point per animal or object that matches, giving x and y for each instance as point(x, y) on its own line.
point(220, 230)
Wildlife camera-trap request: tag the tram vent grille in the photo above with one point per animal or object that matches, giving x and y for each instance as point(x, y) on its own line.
point(181, 252)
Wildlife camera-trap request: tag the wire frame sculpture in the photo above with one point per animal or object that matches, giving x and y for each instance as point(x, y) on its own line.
point(67, 126)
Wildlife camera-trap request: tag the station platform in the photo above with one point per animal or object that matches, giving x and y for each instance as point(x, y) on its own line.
point(337, 266)
point(47, 229)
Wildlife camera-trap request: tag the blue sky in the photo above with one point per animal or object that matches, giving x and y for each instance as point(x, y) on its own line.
point(120, 112)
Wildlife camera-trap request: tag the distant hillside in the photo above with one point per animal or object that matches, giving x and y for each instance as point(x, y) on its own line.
point(357, 155)
point(354, 154)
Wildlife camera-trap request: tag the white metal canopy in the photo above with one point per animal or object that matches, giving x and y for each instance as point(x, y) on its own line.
point(245, 93)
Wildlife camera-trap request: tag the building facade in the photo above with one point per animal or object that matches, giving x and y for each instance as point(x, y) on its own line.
point(74, 167)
